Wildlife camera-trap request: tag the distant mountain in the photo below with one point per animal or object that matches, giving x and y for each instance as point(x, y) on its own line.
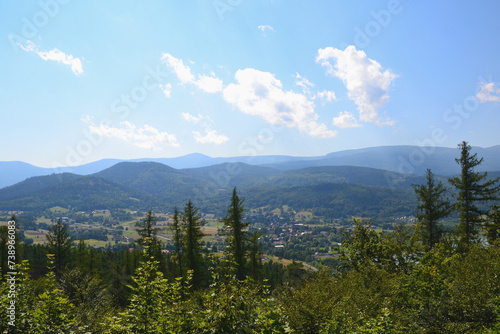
point(153, 178)
point(401, 159)
point(34, 185)
point(345, 174)
point(81, 192)
point(145, 185)
point(336, 200)
point(229, 175)
point(12, 172)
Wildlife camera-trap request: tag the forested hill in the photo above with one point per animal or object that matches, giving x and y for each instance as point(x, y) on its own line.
point(341, 190)
point(403, 159)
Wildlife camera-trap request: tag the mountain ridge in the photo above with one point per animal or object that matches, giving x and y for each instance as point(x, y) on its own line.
point(405, 159)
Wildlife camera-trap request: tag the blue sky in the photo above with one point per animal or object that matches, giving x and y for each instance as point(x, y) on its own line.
point(86, 80)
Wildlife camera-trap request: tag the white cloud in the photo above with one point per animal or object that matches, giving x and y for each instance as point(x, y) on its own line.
point(87, 119)
point(182, 71)
point(208, 83)
point(346, 120)
point(166, 89)
point(55, 55)
point(302, 82)
point(306, 88)
point(190, 118)
point(488, 93)
point(210, 137)
point(327, 95)
point(265, 28)
point(366, 83)
point(146, 137)
point(261, 94)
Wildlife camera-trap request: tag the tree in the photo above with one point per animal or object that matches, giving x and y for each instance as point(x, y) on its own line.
point(431, 209)
point(236, 235)
point(147, 231)
point(473, 188)
point(53, 312)
point(492, 227)
point(255, 254)
point(59, 244)
point(193, 244)
point(362, 246)
point(178, 236)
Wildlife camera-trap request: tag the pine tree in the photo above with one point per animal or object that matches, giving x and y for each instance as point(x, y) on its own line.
point(59, 244)
point(178, 236)
point(148, 236)
point(432, 207)
point(236, 235)
point(192, 241)
point(255, 254)
point(473, 188)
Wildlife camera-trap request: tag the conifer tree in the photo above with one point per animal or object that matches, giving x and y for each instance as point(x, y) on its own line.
point(255, 254)
point(59, 244)
point(492, 227)
point(178, 236)
point(432, 207)
point(192, 241)
point(473, 188)
point(148, 236)
point(236, 235)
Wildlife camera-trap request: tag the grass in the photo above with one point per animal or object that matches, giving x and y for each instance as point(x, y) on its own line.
point(58, 209)
point(307, 215)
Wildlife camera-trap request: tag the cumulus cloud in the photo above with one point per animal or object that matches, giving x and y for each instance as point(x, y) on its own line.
point(367, 84)
point(146, 137)
point(265, 28)
point(210, 137)
point(261, 94)
point(488, 93)
point(346, 120)
point(208, 83)
point(166, 89)
point(55, 55)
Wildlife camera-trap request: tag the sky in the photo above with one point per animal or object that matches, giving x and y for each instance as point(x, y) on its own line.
point(82, 81)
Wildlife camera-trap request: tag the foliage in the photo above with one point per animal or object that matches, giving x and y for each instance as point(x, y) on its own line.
point(59, 243)
point(193, 243)
point(473, 188)
point(237, 238)
point(492, 226)
point(432, 207)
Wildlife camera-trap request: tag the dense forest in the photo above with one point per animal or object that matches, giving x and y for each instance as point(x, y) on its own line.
point(419, 278)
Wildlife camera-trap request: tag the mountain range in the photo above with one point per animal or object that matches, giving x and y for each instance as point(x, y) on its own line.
point(384, 189)
point(402, 159)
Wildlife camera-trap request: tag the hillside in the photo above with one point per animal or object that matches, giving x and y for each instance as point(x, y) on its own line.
point(402, 159)
point(142, 185)
point(83, 193)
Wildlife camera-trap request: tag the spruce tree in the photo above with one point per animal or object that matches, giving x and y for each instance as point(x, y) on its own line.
point(236, 234)
point(473, 189)
point(59, 244)
point(148, 235)
point(178, 236)
point(192, 241)
point(432, 207)
point(492, 227)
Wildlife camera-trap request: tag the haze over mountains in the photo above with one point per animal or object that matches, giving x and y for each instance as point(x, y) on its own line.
point(402, 159)
point(374, 182)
